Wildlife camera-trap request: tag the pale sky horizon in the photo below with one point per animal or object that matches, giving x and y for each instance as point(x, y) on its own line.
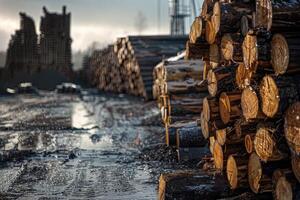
point(101, 21)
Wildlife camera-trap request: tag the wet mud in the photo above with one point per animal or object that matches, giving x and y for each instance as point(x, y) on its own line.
point(81, 147)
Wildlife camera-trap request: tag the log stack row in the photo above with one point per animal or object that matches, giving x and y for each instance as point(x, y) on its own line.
point(127, 66)
point(250, 118)
point(179, 89)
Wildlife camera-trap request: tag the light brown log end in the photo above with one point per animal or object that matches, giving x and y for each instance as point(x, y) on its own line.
point(210, 34)
point(232, 172)
point(212, 83)
point(225, 107)
point(243, 76)
point(254, 172)
point(249, 103)
point(264, 144)
point(269, 95)
point(279, 54)
point(227, 47)
point(250, 52)
point(249, 144)
point(218, 156)
point(221, 136)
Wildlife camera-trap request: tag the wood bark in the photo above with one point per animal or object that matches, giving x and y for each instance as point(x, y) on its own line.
point(231, 47)
point(197, 51)
point(187, 137)
point(221, 80)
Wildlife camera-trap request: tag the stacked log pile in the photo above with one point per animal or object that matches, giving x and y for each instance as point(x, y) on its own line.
point(128, 65)
point(179, 89)
point(251, 116)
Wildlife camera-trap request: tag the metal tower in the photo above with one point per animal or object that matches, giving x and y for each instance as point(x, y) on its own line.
point(179, 12)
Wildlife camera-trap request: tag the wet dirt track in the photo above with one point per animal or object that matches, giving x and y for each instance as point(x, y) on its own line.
point(66, 147)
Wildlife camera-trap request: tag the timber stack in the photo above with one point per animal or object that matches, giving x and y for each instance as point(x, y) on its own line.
point(251, 67)
point(127, 66)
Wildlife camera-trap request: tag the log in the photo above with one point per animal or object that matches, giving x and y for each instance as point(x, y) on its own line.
point(206, 68)
point(183, 87)
point(182, 70)
point(263, 15)
point(197, 51)
point(209, 128)
point(214, 56)
point(171, 131)
point(212, 141)
point(221, 154)
point(187, 137)
point(243, 76)
point(267, 143)
point(256, 51)
point(236, 171)
point(210, 33)
point(207, 8)
point(221, 136)
point(250, 105)
point(225, 18)
point(197, 30)
point(190, 184)
point(221, 79)
point(229, 106)
point(231, 47)
point(296, 166)
point(258, 182)
point(282, 188)
point(210, 109)
point(292, 128)
point(276, 93)
point(191, 153)
point(285, 56)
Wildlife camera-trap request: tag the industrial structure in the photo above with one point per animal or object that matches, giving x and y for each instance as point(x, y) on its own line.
point(52, 50)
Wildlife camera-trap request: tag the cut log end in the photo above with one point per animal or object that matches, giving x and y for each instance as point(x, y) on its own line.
point(263, 14)
point(269, 96)
point(243, 76)
point(250, 52)
point(212, 141)
point(282, 188)
point(225, 108)
point(221, 136)
point(227, 47)
point(214, 55)
point(212, 83)
point(210, 34)
point(218, 156)
point(249, 144)
point(196, 30)
point(204, 126)
point(279, 54)
point(264, 144)
point(216, 17)
point(249, 102)
point(232, 172)
point(292, 127)
point(254, 172)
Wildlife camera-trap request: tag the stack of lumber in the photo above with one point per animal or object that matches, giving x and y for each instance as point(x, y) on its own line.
point(251, 116)
point(128, 65)
point(179, 89)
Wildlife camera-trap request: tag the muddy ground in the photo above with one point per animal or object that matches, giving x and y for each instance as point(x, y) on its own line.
point(81, 147)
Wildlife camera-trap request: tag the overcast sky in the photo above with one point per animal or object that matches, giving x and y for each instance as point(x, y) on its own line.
point(92, 20)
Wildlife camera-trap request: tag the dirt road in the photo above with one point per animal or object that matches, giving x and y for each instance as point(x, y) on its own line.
point(66, 147)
